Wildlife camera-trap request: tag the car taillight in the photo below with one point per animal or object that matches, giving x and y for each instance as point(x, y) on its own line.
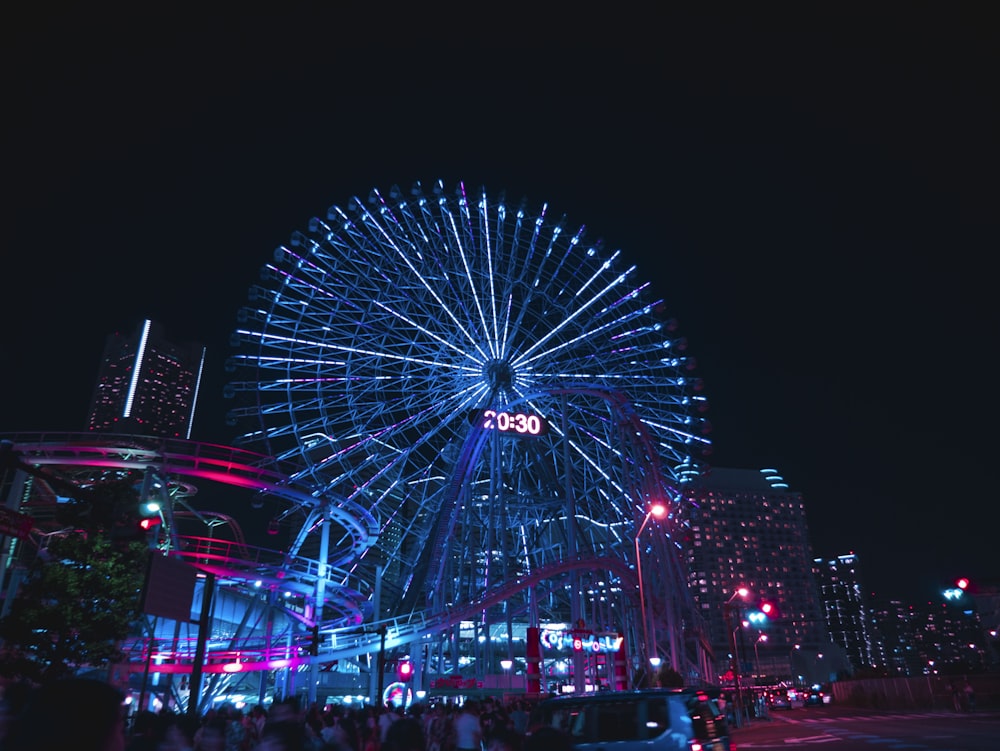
point(695, 746)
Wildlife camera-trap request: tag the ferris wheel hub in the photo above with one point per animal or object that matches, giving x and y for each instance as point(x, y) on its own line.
point(499, 375)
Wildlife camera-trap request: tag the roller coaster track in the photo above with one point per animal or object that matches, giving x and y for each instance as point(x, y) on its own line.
point(228, 466)
point(348, 643)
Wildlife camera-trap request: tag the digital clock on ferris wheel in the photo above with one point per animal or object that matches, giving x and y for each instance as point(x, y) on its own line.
point(512, 423)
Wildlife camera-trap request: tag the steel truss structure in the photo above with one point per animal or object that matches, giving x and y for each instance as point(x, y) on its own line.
point(375, 353)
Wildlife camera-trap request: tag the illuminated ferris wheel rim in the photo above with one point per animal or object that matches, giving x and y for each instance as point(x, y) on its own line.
point(298, 361)
point(379, 334)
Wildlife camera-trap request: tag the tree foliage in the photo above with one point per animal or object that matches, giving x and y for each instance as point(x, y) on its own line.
point(81, 593)
point(667, 677)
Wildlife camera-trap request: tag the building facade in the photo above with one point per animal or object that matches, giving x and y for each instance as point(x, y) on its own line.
point(845, 608)
point(146, 385)
point(748, 529)
point(932, 638)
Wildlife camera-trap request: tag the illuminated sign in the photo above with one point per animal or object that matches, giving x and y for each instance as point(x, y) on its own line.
point(580, 641)
point(512, 423)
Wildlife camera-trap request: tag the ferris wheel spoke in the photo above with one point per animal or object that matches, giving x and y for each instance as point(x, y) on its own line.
point(379, 333)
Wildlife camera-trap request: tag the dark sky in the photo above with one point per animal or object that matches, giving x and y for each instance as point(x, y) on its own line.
point(814, 195)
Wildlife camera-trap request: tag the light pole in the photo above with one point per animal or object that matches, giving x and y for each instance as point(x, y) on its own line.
point(507, 665)
point(734, 662)
point(756, 654)
point(758, 694)
point(657, 510)
point(654, 663)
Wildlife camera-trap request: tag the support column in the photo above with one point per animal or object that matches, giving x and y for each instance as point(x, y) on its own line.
point(319, 598)
point(621, 666)
point(204, 626)
point(533, 661)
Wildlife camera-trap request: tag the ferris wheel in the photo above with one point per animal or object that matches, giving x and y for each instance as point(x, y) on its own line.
point(501, 394)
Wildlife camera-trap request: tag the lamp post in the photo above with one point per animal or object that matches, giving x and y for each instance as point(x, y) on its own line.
point(657, 510)
point(756, 654)
point(734, 662)
point(654, 663)
point(507, 665)
point(794, 677)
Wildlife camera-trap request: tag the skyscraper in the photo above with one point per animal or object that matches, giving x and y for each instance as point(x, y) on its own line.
point(747, 529)
point(147, 385)
point(844, 606)
point(930, 638)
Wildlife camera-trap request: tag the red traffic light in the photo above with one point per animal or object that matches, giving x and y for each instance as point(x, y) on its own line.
point(404, 670)
point(766, 608)
point(147, 524)
point(962, 583)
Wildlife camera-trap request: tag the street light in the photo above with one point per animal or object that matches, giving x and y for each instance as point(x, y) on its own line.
point(795, 677)
point(756, 654)
point(507, 665)
point(734, 662)
point(657, 510)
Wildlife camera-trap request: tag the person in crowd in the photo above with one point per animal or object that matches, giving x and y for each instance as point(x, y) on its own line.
point(547, 738)
point(970, 696)
point(211, 735)
point(369, 737)
point(405, 734)
point(467, 729)
point(519, 717)
point(258, 716)
point(386, 717)
point(146, 732)
point(285, 728)
point(437, 728)
point(72, 714)
point(504, 739)
point(334, 733)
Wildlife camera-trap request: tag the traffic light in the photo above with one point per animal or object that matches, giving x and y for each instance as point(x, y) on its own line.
point(141, 524)
point(149, 521)
point(404, 670)
point(149, 524)
point(765, 611)
point(962, 587)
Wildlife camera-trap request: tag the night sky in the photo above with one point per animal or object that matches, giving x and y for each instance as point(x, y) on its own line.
point(815, 196)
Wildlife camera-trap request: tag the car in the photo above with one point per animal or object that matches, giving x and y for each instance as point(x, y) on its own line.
point(785, 698)
point(817, 696)
point(778, 700)
point(661, 719)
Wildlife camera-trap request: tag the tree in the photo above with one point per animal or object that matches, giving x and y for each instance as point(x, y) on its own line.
point(667, 677)
point(81, 594)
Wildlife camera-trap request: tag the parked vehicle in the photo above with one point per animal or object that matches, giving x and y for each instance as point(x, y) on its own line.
point(644, 720)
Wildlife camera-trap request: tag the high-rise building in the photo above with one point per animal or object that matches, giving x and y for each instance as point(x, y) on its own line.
point(945, 637)
point(147, 385)
point(747, 529)
point(892, 624)
point(845, 607)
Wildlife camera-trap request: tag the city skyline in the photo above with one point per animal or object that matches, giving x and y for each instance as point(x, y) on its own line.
point(815, 228)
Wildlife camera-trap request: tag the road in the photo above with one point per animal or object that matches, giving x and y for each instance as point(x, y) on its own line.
point(832, 728)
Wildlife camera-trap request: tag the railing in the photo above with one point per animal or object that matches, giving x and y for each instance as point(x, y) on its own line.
point(349, 642)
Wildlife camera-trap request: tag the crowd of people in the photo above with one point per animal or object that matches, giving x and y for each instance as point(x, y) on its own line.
point(88, 715)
